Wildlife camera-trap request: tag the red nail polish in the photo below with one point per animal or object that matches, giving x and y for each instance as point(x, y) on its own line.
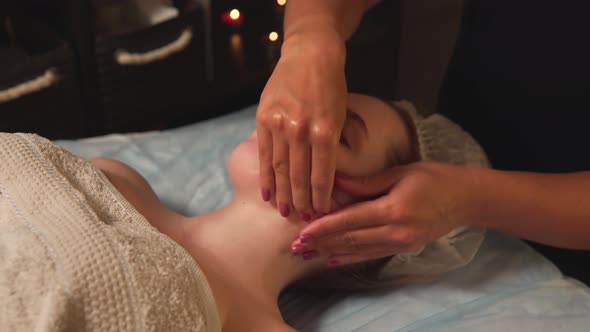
point(332, 262)
point(311, 254)
point(305, 238)
point(284, 210)
point(297, 250)
point(265, 195)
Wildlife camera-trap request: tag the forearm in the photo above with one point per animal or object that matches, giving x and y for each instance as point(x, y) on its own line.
point(326, 24)
point(553, 209)
point(342, 16)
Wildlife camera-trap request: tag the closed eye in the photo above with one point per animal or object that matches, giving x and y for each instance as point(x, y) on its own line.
point(350, 132)
point(344, 141)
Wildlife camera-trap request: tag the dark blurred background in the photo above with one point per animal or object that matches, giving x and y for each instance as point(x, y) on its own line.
point(60, 75)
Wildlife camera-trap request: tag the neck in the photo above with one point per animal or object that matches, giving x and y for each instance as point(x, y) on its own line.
point(244, 249)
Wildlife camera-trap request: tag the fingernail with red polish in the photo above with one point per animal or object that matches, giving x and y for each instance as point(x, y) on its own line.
point(305, 217)
point(305, 238)
point(332, 262)
point(265, 195)
point(297, 250)
point(284, 210)
point(311, 254)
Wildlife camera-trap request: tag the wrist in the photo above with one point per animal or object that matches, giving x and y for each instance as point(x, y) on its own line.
point(322, 43)
point(482, 183)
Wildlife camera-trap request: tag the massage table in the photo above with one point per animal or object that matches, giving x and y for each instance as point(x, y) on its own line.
point(507, 287)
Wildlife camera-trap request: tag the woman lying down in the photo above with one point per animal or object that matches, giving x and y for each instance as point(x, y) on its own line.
point(87, 246)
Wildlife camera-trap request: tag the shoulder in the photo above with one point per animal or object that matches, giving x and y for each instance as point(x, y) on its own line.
point(135, 188)
point(118, 171)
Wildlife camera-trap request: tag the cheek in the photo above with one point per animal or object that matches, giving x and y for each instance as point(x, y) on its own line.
point(347, 161)
point(358, 164)
point(342, 199)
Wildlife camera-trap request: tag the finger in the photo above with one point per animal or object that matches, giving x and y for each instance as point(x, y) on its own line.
point(338, 260)
point(323, 167)
point(360, 215)
point(359, 249)
point(265, 156)
point(353, 239)
point(281, 173)
point(300, 173)
point(367, 186)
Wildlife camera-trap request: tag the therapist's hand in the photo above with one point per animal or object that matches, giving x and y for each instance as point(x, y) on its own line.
point(299, 122)
point(421, 202)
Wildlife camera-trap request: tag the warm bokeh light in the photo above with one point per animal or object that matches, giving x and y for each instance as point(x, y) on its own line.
point(232, 17)
point(235, 41)
point(273, 36)
point(281, 2)
point(234, 14)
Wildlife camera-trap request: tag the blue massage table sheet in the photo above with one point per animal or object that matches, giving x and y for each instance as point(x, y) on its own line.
point(507, 287)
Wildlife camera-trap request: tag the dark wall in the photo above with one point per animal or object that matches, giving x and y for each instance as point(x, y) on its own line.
point(520, 83)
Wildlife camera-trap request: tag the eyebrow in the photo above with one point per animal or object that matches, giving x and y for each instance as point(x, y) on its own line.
point(354, 116)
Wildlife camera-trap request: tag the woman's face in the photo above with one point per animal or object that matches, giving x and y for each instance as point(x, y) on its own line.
point(372, 131)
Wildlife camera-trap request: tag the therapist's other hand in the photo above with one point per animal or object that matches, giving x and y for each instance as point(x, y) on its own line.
point(421, 202)
point(299, 122)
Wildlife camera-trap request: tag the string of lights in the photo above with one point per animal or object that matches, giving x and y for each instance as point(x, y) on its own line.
point(234, 17)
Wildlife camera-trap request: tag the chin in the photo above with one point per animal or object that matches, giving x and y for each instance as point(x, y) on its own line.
point(243, 165)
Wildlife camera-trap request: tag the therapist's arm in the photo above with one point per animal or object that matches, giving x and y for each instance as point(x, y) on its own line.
point(420, 202)
point(316, 16)
point(302, 108)
point(553, 209)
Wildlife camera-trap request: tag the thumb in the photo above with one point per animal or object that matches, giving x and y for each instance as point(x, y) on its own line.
point(371, 185)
